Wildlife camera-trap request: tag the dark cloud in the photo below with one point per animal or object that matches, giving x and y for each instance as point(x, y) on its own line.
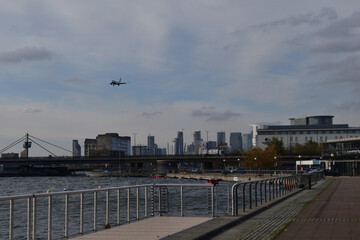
point(30, 110)
point(343, 28)
point(340, 36)
point(353, 106)
point(146, 114)
point(326, 14)
point(76, 80)
point(25, 54)
point(338, 46)
point(214, 116)
point(344, 71)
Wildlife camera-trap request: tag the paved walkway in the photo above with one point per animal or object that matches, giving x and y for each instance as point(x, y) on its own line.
point(330, 210)
point(300, 216)
point(334, 214)
point(148, 229)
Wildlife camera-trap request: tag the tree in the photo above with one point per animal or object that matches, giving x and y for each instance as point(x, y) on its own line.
point(262, 159)
point(309, 148)
point(277, 145)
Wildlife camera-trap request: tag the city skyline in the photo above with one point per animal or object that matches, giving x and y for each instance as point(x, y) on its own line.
point(189, 66)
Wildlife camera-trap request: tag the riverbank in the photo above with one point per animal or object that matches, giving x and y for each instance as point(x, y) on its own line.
point(230, 177)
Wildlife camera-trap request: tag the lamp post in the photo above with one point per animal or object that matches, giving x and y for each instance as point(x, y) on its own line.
point(275, 164)
point(224, 166)
point(300, 164)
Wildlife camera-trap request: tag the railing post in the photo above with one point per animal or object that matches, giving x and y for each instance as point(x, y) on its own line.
point(137, 204)
point(118, 207)
point(274, 189)
point(265, 197)
point(256, 193)
point(128, 204)
point(250, 196)
point(152, 200)
point(243, 197)
point(107, 208)
point(49, 217)
point(234, 200)
point(28, 218)
point(146, 202)
point(11, 219)
point(160, 201)
point(81, 213)
point(261, 192)
point(66, 217)
point(95, 211)
point(34, 218)
point(213, 200)
point(181, 201)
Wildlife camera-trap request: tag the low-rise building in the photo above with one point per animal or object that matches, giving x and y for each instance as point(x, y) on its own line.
point(318, 129)
point(108, 145)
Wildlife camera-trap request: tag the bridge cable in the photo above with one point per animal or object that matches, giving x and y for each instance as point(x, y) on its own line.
point(42, 147)
point(49, 143)
point(12, 144)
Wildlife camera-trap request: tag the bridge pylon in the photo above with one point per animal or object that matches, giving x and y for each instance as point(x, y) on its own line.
point(26, 145)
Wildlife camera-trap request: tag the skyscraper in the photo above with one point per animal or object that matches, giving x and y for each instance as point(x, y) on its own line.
point(198, 142)
point(179, 144)
point(247, 141)
point(151, 142)
point(221, 138)
point(76, 148)
point(236, 141)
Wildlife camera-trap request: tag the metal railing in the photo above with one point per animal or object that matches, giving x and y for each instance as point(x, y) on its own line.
point(261, 191)
point(264, 190)
point(69, 213)
point(137, 202)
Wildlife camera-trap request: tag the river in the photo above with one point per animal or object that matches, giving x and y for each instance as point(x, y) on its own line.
point(196, 201)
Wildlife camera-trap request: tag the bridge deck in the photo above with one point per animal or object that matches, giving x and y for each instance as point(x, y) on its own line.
point(148, 229)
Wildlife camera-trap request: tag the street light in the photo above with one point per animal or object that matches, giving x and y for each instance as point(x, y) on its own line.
point(300, 164)
point(275, 164)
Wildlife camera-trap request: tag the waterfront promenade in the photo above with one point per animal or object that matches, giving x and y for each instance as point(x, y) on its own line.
point(334, 214)
point(330, 210)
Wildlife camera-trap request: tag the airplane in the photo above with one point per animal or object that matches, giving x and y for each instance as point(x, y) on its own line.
point(118, 83)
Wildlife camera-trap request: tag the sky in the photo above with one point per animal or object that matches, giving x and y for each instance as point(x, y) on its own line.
point(199, 65)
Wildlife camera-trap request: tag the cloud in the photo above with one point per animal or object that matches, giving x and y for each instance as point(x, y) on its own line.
point(213, 115)
point(338, 46)
point(26, 54)
point(152, 114)
point(340, 36)
point(344, 71)
point(76, 80)
point(349, 106)
point(345, 27)
point(30, 110)
point(326, 14)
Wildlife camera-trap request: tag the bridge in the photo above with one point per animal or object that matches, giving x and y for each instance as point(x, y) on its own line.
point(132, 163)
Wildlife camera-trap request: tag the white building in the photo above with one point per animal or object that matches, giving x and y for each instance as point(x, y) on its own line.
point(301, 130)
